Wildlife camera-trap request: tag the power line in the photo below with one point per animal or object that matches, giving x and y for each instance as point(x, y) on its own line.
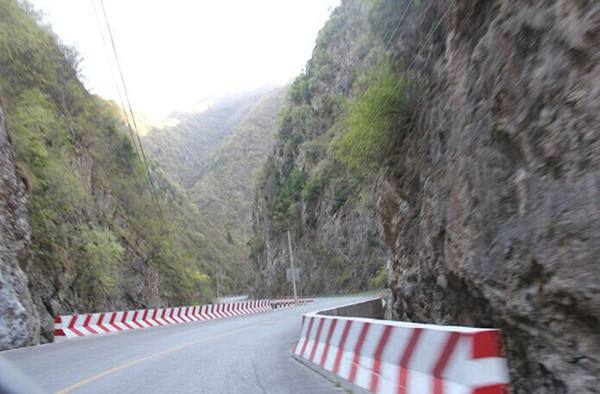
point(389, 40)
point(112, 73)
point(427, 38)
point(400, 21)
point(137, 134)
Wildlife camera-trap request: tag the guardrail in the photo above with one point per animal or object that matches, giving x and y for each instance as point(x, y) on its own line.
point(76, 326)
point(383, 356)
point(91, 324)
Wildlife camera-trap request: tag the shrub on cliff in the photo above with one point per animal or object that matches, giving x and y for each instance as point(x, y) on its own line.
point(97, 262)
point(378, 117)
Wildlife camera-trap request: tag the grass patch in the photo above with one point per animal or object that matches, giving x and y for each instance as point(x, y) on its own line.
point(378, 118)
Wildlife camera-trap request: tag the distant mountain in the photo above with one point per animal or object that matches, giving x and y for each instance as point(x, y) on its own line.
point(184, 145)
point(214, 154)
point(225, 193)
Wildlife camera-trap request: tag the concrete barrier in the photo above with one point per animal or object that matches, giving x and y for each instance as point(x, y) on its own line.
point(383, 356)
point(372, 308)
point(77, 326)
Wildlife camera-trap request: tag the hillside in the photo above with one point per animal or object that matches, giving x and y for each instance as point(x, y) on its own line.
point(224, 194)
point(328, 204)
point(214, 156)
point(185, 148)
point(98, 240)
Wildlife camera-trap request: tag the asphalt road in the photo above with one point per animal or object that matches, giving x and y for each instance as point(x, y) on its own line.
point(244, 354)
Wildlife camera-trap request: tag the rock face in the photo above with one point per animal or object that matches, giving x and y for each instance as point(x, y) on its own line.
point(19, 322)
point(342, 253)
point(492, 209)
point(334, 222)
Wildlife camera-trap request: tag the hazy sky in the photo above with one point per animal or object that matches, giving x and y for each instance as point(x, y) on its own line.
point(176, 52)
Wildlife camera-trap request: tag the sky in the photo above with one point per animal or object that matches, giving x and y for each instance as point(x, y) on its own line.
point(175, 53)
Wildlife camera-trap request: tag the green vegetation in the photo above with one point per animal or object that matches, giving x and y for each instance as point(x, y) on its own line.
point(185, 150)
point(358, 142)
point(376, 121)
point(317, 182)
point(99, 257)
point(285, 203)
point(380, 280)
point(225, 192)
point(344, 140)
point(343, 189)
point(342, 119)
point(97, 238)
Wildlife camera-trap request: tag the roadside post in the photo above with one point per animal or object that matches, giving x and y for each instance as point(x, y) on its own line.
point(293, 272)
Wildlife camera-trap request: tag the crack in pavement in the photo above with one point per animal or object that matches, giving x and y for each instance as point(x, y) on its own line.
point(258, 382)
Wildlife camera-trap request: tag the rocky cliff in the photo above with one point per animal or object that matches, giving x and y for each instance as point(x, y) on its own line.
point(491, 206)
point(476, 130)
point(328, 207)
point(19, 321)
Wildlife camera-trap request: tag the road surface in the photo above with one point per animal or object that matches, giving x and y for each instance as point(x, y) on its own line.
point(244, 354)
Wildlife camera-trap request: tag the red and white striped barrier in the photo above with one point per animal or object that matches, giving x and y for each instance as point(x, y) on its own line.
point(385, 356)
point(75, 326)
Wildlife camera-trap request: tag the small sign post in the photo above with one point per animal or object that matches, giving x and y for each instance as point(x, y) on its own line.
point(292, 271)
point(292, 275)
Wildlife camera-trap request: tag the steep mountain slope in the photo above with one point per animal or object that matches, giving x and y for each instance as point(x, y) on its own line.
point(184, 149)
point(98, 241)
point(491, 205)
point(19, 324)
point(214, 156)
point(328, 205)
point(475, 130)
point(224, 194)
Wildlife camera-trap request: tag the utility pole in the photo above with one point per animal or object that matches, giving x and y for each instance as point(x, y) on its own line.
point(218, 295)
point(292, 266)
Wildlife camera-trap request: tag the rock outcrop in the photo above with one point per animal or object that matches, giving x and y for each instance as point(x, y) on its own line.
point(492, 209)
point(19, 322)
point(330, 210)
point(489, 202)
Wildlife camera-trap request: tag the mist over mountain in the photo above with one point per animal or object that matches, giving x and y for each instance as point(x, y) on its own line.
point(215, 151)
point(184, 146)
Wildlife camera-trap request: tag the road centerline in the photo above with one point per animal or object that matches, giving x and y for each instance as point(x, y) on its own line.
point(137, 361)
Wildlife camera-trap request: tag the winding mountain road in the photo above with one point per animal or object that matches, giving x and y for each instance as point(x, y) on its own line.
point(245, 354)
